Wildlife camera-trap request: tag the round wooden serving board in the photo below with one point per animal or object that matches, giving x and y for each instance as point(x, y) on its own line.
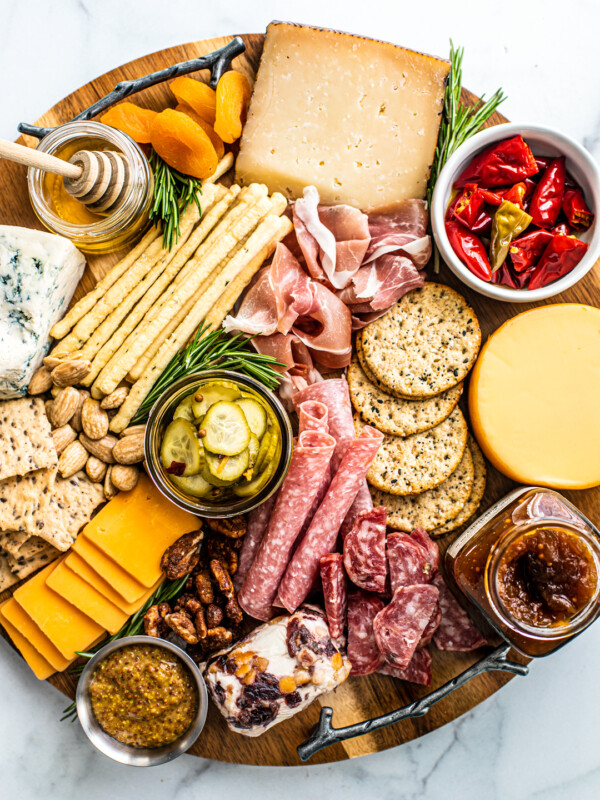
point(359, 698)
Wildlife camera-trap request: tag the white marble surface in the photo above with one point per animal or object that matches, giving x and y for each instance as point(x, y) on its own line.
point(538, 738)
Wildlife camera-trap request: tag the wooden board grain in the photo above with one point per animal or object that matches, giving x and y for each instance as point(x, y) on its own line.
point(358, 698)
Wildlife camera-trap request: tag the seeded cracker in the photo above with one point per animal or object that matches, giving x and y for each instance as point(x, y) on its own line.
point(425, 344)
point(24, 501)
point(431, 508)
point(7, 579)
point(25, 440)
point(419, 462)
point(394, 415)
point(25, 565)
point(72, 504)
point(12, 541)
point(373, 378)
point(477, 491)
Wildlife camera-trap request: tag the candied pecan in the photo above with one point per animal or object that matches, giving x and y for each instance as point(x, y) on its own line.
point(233, 527)
point(182, 625)
point(200, 623)
point(225, 551)
point(233, 610)
point(221, 575)
point(214, 615)
point(217, 638)
point(204, 588)
point(164, 609)
point(189, 604)
point(181, 557)
point(152, 622)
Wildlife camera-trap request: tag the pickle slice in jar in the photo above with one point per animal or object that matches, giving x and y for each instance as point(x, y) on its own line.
point(194, 485)
point(255, 415)
point(180, 449)
point(212, 393)
point(263, 449)
point(258, 483)
point(253, 450)
point(228, 468)
point(184, 409)
point(212, 479)
point(226, 429)
point(274, 445)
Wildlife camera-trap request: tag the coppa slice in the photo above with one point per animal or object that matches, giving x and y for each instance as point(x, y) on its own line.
point(363, 652)
point(398, 628)
point(364, 551)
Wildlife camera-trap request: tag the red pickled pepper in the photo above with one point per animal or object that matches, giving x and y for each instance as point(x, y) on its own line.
point(575, 209)
point(502, 164)
point(526, 251)
point(563, 227)
point(469, 248)
point(547, 199)
point(516, 194)
point(561, 255)
point(468, 205)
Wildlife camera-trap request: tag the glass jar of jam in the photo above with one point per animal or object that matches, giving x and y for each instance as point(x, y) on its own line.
point(531, 567)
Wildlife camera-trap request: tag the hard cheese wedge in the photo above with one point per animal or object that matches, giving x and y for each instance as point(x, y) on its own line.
point(121, 581)
point(81, 568)
point(22, 622)
point(41, 668)
point(534, 395)
point(76, 591)
point(136, 528)
point(68, 629)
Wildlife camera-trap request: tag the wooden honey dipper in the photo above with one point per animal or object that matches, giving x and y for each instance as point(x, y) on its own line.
point(97, 178)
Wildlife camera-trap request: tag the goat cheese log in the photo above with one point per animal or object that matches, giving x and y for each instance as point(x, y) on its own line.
point(275, 671)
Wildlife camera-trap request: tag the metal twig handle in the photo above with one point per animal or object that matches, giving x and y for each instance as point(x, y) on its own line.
point(217, 62)
point(324, 734)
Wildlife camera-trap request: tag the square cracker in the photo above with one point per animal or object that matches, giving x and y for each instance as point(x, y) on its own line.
point(7, 577)
point(12, 541)
point(24, 565)
point(71, 506)
point(26, 442)
point(24, 501)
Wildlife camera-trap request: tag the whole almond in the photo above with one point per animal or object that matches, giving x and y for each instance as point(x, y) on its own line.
point(54, 390)
point(124, 477)
point(101, 448)
point(130, 449)
point(48, 406)
point(133, 429)
point(72, 459)
point(109, 488)
point(115, 399)
point(64, 406)
point(76, 421)
point(51, 361)
point(40, 382)
point(70, 372)
point(94, 420)
point(63, 437)
point(95, 469)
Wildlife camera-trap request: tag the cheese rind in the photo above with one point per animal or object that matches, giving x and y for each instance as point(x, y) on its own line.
point(357, 118)
point(533, 397)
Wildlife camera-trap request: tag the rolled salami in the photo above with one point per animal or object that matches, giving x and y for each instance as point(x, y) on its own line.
point(312, 416)
point(257, 525)
point(322, 532)
point(309, 463)
point(335, 593)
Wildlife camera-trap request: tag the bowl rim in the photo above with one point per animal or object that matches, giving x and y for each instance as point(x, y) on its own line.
point(193, 505)
point(123, 753)
point(555, 138)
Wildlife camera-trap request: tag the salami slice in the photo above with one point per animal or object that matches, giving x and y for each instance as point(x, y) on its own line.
point(430, 547)
point(362, 502)
point(362, 649)
point(431, 628)
point(456, 631)
point(312, 416)
point(364, 551)
point(335, 593)
point(418, 670)
point(322, 532)
point(309, 463)
point(399, 626)
point(408, 561)
point(257, 525)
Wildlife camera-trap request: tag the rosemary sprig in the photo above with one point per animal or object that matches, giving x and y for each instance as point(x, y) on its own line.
point(173, 193)
point(212, 350)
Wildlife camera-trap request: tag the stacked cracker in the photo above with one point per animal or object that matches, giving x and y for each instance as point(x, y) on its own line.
point(151, 303)
point(407, 381)
point(40, 511)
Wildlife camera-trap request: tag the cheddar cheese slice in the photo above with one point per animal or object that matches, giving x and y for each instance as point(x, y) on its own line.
point(129, 589)
point(41, 668)
point(22, 622)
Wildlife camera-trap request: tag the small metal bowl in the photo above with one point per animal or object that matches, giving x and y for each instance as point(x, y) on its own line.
point(162, 414)
point(123, 753)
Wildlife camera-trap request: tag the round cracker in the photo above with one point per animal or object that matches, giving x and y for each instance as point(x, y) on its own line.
point(430, 509)
point(373, 378)
point(477, 492)
point(413, 464)
point(395, 416)
point(425, 344)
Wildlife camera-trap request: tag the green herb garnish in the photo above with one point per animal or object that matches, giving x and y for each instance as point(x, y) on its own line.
point(173, 193)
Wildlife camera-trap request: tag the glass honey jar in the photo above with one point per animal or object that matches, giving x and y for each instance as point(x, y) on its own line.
point(61, 213)
point(530, 567)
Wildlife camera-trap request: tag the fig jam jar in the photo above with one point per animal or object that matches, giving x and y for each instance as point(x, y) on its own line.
point(531, 567)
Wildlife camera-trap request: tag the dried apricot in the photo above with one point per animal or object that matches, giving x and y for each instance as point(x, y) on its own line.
point(197, 95)
point(131, 119)
point(183, 144)
point(233, 94)
point(208, 129)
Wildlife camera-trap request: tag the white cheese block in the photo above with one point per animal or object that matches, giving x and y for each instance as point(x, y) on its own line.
point(356, 118)
point(38, 275)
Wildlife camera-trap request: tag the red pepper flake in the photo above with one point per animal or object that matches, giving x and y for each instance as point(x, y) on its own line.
point(176, 468)
point(561, 255)
point(502, 164)
point(469, 249)
point(547, 198)
point(576, 210)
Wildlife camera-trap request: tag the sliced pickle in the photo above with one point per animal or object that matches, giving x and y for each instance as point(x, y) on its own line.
point(274, 444)
point(263, 450)
point(212, 479)
point(227, 431)
point(194, 485)
point(258, 483)
point(228, 468)
point(180, 452)
point(212, 393)
point(255, 414)
point(184, 409)
point(253, 450)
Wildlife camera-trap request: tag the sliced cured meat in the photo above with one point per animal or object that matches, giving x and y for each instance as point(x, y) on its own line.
point(335, 593)
point(362, 649)
point(432, 626)
point(364, 551)
point(430, 547)
point(312, 416)
point(320, 538)
point(407, 560)
point(456, 631)
point(418, 670)
point(326, 328)
point(398, 628)
point(335, 395)
point(380, 284)
point(407, 217)
point(258, 520)
point(298, 370)
point(309, 463)
point(362, 502)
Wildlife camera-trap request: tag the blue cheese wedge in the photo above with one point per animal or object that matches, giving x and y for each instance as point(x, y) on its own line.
point(38, 275)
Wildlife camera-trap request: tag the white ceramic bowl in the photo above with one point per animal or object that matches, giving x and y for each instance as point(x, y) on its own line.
point(543, 142)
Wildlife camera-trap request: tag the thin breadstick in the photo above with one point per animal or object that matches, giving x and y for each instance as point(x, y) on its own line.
point(195, 273)
point(261, 238)
point(224, 165)
point(81, 307)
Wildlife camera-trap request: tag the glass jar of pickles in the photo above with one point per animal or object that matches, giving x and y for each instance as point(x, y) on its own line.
point(63, 214)
point(218, 443)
